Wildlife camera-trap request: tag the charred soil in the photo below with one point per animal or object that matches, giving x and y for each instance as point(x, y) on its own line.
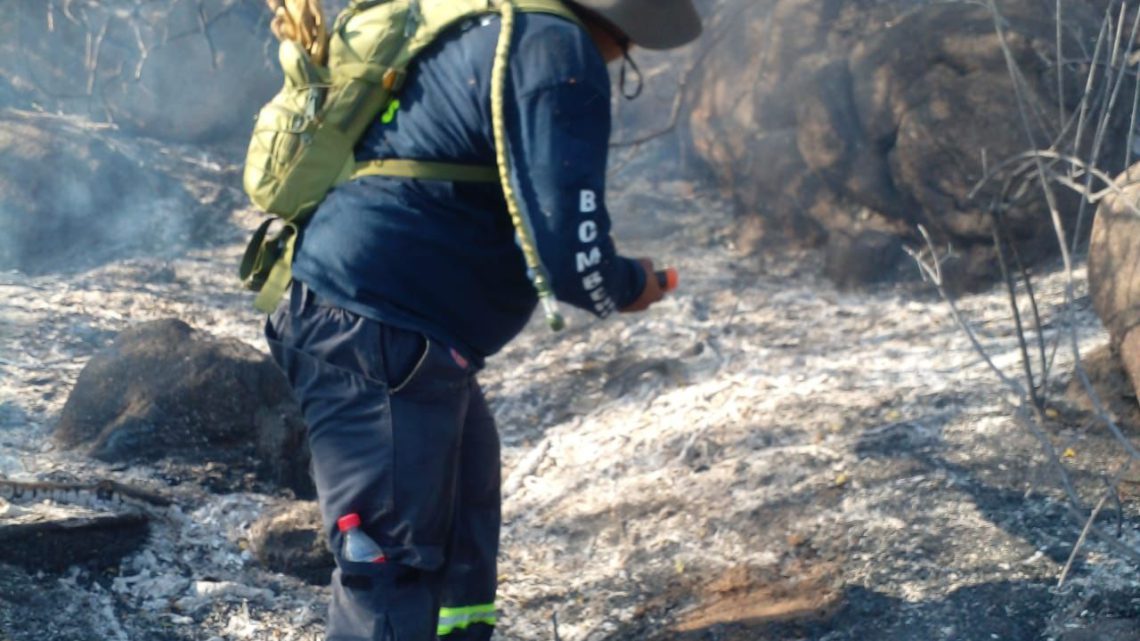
point(759, 457)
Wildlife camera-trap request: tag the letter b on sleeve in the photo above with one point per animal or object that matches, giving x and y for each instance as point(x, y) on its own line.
point(587, 201)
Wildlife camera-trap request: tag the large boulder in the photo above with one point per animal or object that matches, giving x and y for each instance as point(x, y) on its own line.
point(73, 195)
point(898, 107)
point(751, 92)
point(187, 70)
point(1114, 269)
point(166, 391)
point(935, 99)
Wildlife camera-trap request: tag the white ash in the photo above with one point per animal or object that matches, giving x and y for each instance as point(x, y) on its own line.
point(756, 414)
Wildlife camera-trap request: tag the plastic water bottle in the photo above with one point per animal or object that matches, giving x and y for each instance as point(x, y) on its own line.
point(358, 546)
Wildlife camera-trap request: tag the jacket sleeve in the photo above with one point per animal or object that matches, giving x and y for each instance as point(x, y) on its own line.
point(558, 124)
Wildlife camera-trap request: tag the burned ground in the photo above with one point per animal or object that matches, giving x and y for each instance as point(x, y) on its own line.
point(760, 457)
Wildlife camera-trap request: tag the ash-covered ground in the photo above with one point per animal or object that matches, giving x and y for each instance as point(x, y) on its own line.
point(760, 457)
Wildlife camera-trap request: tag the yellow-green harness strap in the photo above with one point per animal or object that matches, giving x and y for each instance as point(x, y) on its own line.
point(553, 7)
point(282, 273)
point(276, 250)
point(426, 170)
point(538, 275)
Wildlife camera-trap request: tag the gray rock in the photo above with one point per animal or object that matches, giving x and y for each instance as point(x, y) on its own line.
point(892, 104)
point(969, 269)
point(1114, 258)
point(753, 93)
point(863, 258)
point(1114, 269)
point(933, 93)
point(166, 391)
point(1110, 381)
point(782, 192)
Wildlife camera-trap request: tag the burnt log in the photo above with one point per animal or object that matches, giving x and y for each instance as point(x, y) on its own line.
point(52, 538)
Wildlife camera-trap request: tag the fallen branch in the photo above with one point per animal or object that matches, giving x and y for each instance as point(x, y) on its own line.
point(106, 491)
point(526, 467)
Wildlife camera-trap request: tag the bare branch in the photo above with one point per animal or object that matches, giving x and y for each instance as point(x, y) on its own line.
point(1060, 67)
point(1106, 117)
point(1104, 27)
point(682, 90)
point(93, 55)
point(932, 270)
point(1081, 539)
point(1027, 160)
point(1026, 413)
point(1011, 289)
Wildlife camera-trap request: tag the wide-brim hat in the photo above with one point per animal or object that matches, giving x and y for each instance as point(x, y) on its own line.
point(650, 24)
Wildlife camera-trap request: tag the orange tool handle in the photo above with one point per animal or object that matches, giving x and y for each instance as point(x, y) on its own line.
point(668, 279)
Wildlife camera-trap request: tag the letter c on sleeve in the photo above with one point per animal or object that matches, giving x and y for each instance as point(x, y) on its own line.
point(588, 231)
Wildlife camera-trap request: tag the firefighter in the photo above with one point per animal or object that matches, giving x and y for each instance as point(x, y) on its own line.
point(402, 287)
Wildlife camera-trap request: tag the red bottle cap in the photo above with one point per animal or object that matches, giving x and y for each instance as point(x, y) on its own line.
point(668, 279)
point(347, 522)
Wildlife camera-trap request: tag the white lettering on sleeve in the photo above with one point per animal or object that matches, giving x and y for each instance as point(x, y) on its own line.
point(588, 231)
point(587, 201)
point(592, 280)
point(586, 261)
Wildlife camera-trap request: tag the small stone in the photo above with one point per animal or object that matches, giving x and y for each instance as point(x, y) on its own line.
point(290, 540)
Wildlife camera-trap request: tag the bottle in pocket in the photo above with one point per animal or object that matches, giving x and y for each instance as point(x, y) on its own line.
point(358, 546)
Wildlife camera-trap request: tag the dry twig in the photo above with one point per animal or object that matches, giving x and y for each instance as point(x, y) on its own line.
point(1059, 164)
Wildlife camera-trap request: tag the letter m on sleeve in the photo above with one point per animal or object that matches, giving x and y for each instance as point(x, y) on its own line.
point(586, 260)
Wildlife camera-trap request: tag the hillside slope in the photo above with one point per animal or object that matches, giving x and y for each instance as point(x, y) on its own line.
point(759, 457)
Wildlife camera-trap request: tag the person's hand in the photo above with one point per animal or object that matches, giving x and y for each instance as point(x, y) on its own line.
point(652, 292)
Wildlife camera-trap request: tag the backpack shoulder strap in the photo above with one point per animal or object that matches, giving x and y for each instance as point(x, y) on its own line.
point(433, 17)
point(436, 16)
point(554, 7)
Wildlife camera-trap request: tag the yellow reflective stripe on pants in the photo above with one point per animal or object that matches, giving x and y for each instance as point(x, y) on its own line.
point(452, 619)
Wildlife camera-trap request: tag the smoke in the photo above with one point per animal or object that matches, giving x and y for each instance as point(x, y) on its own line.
point(72, 198)
point(100, 99)
point(114, 60)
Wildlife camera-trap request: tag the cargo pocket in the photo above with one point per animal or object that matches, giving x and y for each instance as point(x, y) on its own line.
point(380, 602)
point(404, 356)
point(349, 417)
point(435, 376)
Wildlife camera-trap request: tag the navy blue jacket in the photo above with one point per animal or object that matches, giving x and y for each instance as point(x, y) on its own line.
point(441, 257)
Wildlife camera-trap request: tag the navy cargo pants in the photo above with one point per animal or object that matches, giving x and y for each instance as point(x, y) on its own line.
point(401, 435)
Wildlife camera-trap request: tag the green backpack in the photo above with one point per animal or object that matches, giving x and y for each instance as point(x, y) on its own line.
point(303, 140)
